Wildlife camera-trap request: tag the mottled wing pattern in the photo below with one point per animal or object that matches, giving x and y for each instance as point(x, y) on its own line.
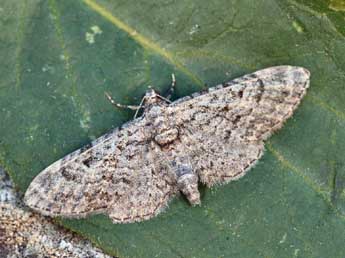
point(224, 130)
point(154, 186)
point(113, 175)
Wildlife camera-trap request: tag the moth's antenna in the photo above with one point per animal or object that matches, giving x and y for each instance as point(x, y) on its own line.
point(172, 87)
point(113, 102)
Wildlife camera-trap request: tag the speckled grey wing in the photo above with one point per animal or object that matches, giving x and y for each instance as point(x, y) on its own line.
point(224, 129)
point(114, 175)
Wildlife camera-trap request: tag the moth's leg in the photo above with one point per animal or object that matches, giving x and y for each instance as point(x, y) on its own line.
point(165, 99)
point(141, 105)
point(172, 87)
point(188, 185)
point(120, 105)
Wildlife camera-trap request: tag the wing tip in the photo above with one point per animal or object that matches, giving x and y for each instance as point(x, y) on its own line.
point(296, 76)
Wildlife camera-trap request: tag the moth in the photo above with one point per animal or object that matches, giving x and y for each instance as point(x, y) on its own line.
point(213, 137)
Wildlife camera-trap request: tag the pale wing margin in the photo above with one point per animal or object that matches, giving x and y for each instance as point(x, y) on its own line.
point(225, 129)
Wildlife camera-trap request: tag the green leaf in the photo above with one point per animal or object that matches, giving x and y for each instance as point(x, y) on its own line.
point(59, 57)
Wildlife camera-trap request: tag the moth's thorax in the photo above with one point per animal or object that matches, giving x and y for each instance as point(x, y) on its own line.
point(151, 97)
point(162, 131)
point(153, 111)
point(153, 108)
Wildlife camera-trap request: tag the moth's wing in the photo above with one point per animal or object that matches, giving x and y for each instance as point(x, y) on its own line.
point(155, 186)
point(113, 175)
point(224, 128)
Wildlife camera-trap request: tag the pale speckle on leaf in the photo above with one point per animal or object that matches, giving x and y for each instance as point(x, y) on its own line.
point(85, 121)
point(90, 36)
point(48, 68)
point(283, 239)
point(96, 29)
point(296, 252)
point(194, 29)
point(297, 27)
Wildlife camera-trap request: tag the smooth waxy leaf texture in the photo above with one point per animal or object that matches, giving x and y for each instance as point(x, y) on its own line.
point(59, 57)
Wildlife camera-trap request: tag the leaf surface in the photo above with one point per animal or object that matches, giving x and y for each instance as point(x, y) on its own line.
point(59, 57)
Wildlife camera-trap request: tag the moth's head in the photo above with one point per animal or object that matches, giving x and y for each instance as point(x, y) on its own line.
point(151, 96)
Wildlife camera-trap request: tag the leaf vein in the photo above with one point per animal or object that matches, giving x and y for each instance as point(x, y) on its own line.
point(141, 39)
point(326, 196)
